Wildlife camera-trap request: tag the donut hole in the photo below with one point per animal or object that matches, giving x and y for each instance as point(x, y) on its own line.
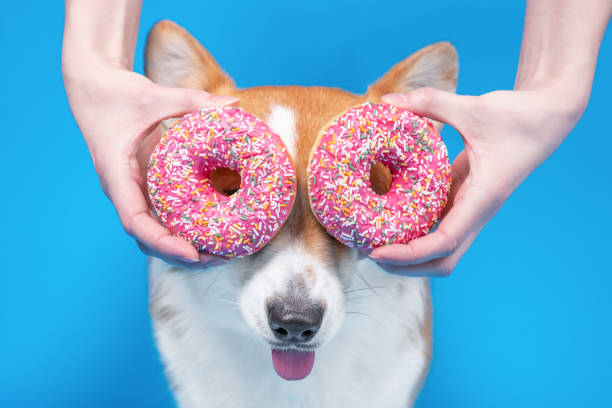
point(224, 180)
point(380, 178)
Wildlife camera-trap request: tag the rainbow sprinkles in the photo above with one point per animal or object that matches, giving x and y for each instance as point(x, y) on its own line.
point(189, 206)
point(338, 176)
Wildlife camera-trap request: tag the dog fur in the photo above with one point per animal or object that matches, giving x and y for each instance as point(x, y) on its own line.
point(374, 345)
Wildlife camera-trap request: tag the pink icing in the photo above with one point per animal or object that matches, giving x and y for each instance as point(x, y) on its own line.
point(185, 200)
point(338, 176)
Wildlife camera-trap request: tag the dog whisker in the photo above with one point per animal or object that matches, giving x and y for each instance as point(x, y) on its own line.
point(368, 288)
point(183, 275)
point(367, 283)
point(229, 292)
point(231, 302)
point(358, 297)
point(363, 314)
point(213, 282)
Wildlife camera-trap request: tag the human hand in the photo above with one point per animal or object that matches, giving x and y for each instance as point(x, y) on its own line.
point(118, 112)
point(507, 134)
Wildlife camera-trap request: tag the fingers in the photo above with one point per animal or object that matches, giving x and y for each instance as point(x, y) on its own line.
point(438, 244)
point(440, 267)
point(136, 107)
point(468, 209)
point(153, 239)
point(206, 261)
point(468, 214)
point(128, 197)
point(131, 206)
point(176, 261)
point(173, 102)
point(459, 174)
point(433, 103)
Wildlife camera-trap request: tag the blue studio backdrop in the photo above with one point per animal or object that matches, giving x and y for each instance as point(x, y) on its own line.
point(523, 321)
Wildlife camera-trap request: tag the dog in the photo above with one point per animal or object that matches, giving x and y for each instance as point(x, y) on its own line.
point(221, 332)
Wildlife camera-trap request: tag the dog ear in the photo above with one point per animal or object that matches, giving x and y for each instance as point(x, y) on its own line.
point(173, 58)
point(435, 66)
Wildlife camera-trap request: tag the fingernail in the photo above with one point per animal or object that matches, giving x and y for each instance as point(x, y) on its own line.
point(224, 99)
point(215, 262)
point(394, 98)
point(190, 260)
point(375, 258)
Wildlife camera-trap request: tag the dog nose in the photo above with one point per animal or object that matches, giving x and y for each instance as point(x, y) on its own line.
point(294, 326)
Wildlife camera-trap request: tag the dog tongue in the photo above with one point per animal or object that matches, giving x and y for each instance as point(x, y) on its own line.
point(293, 364)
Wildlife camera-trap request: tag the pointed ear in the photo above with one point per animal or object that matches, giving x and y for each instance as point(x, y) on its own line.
point(173, 58)
point(435, 66)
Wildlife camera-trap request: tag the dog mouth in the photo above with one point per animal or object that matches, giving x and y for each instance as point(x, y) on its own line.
point(294, 363)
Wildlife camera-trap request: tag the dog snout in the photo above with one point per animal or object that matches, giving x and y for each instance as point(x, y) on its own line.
point(291, 325)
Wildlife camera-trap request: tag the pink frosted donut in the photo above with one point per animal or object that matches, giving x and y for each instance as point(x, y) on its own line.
point(185, 200)
point(339, 176)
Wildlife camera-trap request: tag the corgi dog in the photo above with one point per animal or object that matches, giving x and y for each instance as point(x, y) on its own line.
point(305, 307)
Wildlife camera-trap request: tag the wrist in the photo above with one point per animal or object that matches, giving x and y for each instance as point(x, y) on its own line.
point(75, 57)
point(562, 93)
point(81, 54)
point(82, 66)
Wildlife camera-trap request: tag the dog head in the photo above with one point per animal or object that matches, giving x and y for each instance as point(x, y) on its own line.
point(292, 292)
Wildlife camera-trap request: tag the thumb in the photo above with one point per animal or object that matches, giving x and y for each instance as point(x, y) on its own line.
point(175, 102)
point(433, 103)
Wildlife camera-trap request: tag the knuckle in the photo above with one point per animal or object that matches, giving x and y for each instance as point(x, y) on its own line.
point(128, 225)
point(450, 243)
point(451, 246)
point(98, 164)
point(102, 162)
point(426, 97)
point(190, 97)
point(410, 247)
point(445, 270)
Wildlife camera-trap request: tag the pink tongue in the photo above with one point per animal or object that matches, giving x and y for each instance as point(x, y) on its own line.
point(293, 364)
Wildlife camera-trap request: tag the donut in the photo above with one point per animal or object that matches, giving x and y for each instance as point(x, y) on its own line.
point(341, 195)
point(182, 192)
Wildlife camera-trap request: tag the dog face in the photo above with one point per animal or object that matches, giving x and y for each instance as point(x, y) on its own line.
point(292, 292)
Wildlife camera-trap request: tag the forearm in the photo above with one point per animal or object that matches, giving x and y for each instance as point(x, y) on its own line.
point(103, 32)
point(560, 45)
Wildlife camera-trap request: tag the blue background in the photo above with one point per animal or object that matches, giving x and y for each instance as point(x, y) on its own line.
point(523, 321)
